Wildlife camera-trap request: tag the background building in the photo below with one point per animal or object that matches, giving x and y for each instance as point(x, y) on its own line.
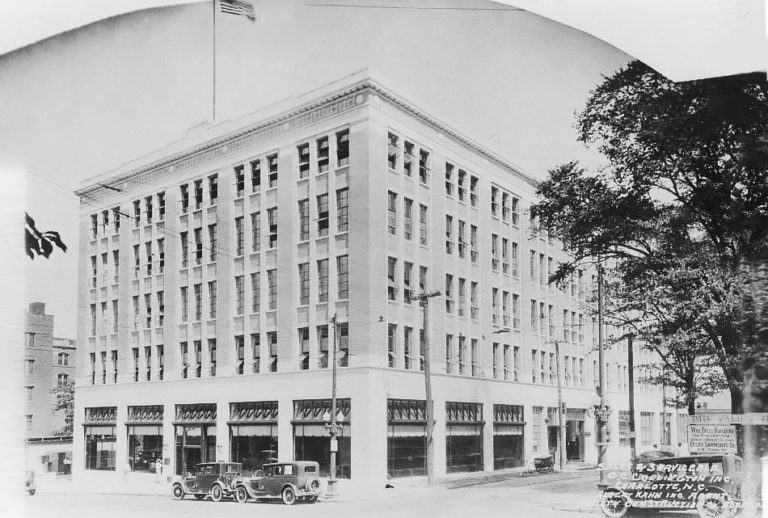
point(217, 274)
point(48, 362)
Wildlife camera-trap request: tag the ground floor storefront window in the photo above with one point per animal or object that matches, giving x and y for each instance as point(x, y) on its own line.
point(464, 437)
point(406, 438)
point(311, 439)
point(508, 446)
point(100, 440)
point(145, 437)
point(253, 434)
point(195, 432)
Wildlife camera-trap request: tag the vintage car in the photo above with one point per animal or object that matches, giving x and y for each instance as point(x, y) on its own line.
point(210, 478)
point(289, 481)
point(710, 484)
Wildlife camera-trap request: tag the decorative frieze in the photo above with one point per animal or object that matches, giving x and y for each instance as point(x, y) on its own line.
point(253, 412)
point(203, 413)
point(101, 415)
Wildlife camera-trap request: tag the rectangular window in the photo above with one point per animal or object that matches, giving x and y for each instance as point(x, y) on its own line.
point(504, 255)
point(515, 211)
point(391, 278)
point(542, 270)
point(272, 222)
point(515, 260)
point(322, 341)
point(213, 188)
point(213, 241)
point(239, 295)
point(136, 313)
point(407, 276)
point(148, 362)
point(303, 348)
point(198, 232)
point(423, 225)
point(212, 356)
point(272, 343)
point(494, 252)
point(148, 308)
point(448, 234)
point(462, 185)
point(272, 166)
point(424, 166)
point(462, 354)
point(322, 214)
point(160, 308)
point(392, 213)
point(256, 231)
point(532, 266)
point(256, 176)
point(322, 155)
point(473, 302)
point(322, 280)
point(184, 304)
point(407, 341)
point(407, 219)
point(198, 186)
point(184, 198)
point(342, 276)
point(161, 255)
point(184, 249)
point(239, 181)
point(423, 280)
point(114, 316)
point(303, 151)
point(391, 345)
point(116, 220)
point(505, 308)
point(494, 201)
point(462, 297)
point(256, 352)
point(343, 344)
point(392, 151)
point(240, 353)
point(474, 359)
point(449, 302)
point(495, 305)
point(473, 191)
point(148, 208)
point(198, 302)
point(342, 210)
point(534, 317)
point(255, 292)
point(304, 284)
point(303, 220)
point(448, 354)
point(495, 358)
point(448, 179)
point(473, 254)
point(148, 248)
point(272, 289)
point(408, 158)
point(342, 148)
point(462, 239)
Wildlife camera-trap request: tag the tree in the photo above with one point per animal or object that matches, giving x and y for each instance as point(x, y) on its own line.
point(40, 243)
point(65, 401)
point(678, 213)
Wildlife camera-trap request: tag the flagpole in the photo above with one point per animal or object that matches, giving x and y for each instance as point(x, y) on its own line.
point(213, 119)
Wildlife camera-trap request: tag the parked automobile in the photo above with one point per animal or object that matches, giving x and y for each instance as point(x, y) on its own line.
point(711, 484)
point(212, 479)
point(290, 481)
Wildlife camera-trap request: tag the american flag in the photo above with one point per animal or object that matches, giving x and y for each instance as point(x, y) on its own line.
point(238, 8)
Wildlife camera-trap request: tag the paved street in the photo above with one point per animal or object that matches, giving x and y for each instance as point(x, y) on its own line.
point(570, 498)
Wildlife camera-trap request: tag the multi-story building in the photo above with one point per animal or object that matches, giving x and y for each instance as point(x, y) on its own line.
point(48, 362)
point(217, 275)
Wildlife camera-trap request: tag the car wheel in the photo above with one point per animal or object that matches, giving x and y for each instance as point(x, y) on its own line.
point(312, 499)
point(613, 504)
point(241, 495)
point(177, 493)
point(714, 505)
point(289, 495)
point(30, 492)
point(200, 497)
point(216, 493)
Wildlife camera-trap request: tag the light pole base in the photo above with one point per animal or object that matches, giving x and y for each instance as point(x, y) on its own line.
point(330, 491)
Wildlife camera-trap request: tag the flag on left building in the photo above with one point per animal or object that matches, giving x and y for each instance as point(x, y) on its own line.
point(238, 8)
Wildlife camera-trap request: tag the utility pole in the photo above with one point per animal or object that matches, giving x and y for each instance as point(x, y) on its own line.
point(333, 427)
point(602, 414)
point(631, 367)
point(560, 409)
point(423, 298)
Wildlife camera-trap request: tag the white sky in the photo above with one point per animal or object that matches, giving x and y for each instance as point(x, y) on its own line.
point(683, 39)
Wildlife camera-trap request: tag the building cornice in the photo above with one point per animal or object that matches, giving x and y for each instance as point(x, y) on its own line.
point(339, 102)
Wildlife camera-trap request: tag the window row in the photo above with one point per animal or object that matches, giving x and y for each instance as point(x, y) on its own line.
point(459, 182)
point(408, 218)
point(462, 356)
point(319, 153)
point(321, 287)
point(460, 239)
point(544, 369)
point(407, 156)
point(509, 250)
point(239, 298)
point(110, 219)
point(408, 281)
point(149, 209)
point(460, 309)
point(320, 216)
point(99, 314)
point(509, 210)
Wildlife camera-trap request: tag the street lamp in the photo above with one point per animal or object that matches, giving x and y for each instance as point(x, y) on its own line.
point(602, 412)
